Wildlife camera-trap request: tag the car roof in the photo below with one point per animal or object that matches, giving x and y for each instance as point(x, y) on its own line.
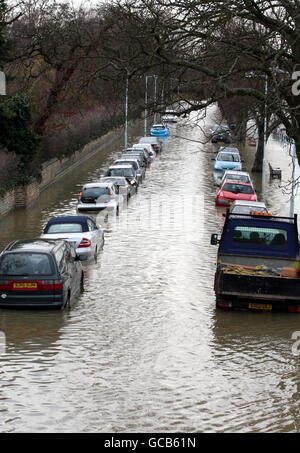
point(121, 166)
point(97, 184)
point(237, 172)
point(248, 203)
point(37, 244)
point(113, 178)
point(149, 139)
point(158, 124)
point(80, 219)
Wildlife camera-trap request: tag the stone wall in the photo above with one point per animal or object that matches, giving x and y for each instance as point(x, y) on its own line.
point(25, 195)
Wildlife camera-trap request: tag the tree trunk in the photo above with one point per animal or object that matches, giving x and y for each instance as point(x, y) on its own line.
point(259, 155)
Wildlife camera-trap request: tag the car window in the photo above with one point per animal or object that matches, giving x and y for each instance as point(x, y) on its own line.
point(61, 258)
point(64, 228)
point(127, 172)
point(91, 225)
point(95, 192)
point(260, 235)
point(237, 188)
point(25, 263)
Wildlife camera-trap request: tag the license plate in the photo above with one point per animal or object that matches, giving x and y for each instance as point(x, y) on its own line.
point(72, 243)
point(260, 306)
point(25, 285)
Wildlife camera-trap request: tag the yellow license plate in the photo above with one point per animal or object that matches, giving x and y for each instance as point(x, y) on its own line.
point(260, 306)
point(25, 285)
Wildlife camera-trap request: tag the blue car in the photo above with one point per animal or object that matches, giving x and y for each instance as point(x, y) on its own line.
point(227, 161)
point(159, 130)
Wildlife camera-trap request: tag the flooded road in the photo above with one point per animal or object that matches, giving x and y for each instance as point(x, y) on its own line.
point(144, 349)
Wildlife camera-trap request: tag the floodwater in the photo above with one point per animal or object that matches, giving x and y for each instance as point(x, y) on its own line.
point(143, 348)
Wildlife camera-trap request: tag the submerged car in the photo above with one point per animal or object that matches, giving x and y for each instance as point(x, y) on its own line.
point(227, 161)
point(147, 148)
point(134, 162)
point(235, 190)
point(86, 236)
point(99, 196)
point(154, 142)
point(221, 137)
point(123, 170)
point(248, 207)
point(39, 273)
point(236, 175)
point(159, 130)
point(125, 188)
point(170, 116)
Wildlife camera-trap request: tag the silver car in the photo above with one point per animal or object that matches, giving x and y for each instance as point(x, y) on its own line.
point(99, 196)
point(86, 236)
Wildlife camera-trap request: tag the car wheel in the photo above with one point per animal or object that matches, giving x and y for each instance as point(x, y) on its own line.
point(68, 302)
point(95, 255)
point(117, 211)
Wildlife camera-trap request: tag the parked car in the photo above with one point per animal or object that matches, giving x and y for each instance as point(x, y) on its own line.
point(221, 137)
point(86, 236)
point(123, 170)
point(227, 161)
point(229, 149)
point(248, 207)
point(140, 170)
point(160, 130)
point(170, 116)
point(217, 128)
point(135, 154)
point(232, 190)
point(237, 175)
point(155, 143)
point(126, 189)
point(99, 196)
point(147, 147)
point(39, 273)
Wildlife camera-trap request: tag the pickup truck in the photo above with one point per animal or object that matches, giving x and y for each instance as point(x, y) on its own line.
point(258, 264)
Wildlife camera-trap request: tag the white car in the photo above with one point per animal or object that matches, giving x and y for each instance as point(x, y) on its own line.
point(237, 175)
point(247, 207)
point(123, 170)
point(169, 116)
point(86, 236)
point(99, 196)
point(154, 142)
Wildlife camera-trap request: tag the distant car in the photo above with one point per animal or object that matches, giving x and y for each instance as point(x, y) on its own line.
point(99, 196)
point(140, 170)
point(123, 170)
point(235, 190)
point(221, 137)
point(39, 273)
point(126, 189)
point(86, 236)
point(229, 149)
point(170, 116)
point(236, 175)
point(139, 155)
point(154, 141)
point(147, 147)
point(248, 207)
point(159, 130)
point(227, 161)
point(216, 128)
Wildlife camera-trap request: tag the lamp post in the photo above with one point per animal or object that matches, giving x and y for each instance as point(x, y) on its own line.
point(265, 141)
point(292, 200)
point(155, 91)
point(126, 113)
point(2, 84)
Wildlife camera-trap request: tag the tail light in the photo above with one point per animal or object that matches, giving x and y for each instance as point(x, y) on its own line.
point(294, 309)
point(85, 243)
point(224, 304)
point(79, 195)
point(4, 285)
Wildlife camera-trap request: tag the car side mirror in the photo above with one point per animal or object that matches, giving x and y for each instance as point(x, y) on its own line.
point(214, 239)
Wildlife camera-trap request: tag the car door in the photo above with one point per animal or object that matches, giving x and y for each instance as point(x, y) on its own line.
point(95, 234)
point(60, 256)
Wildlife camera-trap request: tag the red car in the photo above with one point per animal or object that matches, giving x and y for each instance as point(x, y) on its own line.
point(235, 190)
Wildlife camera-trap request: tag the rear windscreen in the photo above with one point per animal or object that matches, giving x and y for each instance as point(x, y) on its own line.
point(237, 188)
point(23, 264)
point(65, 228)
point(95, 192)
point(260, 235)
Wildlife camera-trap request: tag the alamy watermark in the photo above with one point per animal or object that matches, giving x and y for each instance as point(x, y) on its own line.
point(2, 343)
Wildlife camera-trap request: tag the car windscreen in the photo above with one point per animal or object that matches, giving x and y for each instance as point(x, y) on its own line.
point(227, 157)
point(259, 235)
point(132, 162)
point(127, 172)
point(159, 128)
point(64, 228)
point(25, 263)
point(237, 188)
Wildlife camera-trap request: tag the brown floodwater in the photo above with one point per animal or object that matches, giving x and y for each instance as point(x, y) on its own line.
point(143, 348)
